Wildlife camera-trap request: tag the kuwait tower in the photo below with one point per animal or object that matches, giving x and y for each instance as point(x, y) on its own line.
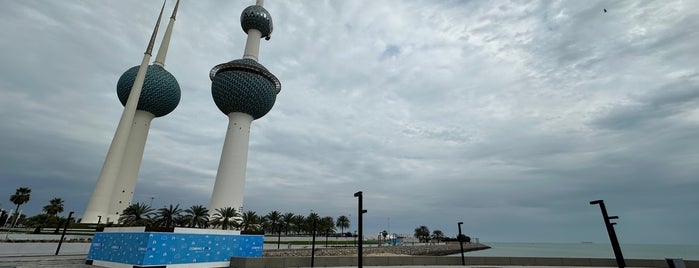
point(244, 90)
point(157, 93)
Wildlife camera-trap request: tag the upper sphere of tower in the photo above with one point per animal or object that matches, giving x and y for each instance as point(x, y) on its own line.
point(257, 17)
point(244, 86)
point(160, 94)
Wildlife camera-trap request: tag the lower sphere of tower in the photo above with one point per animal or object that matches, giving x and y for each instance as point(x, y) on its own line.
point(244, 92)
point(160, 94)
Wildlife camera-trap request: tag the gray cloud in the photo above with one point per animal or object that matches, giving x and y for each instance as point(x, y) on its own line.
point(510, 118)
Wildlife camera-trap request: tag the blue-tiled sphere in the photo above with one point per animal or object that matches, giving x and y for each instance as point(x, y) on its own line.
point(160, 94)
point(257, 17)
point(244, 86)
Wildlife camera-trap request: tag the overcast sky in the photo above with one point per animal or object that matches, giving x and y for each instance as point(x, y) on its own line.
point(508, 116)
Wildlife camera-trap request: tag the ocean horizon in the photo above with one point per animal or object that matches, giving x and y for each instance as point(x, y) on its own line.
point(586, 250)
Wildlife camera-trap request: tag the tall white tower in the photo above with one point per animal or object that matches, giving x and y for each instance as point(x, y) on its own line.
point(158, 93)
point(244, 90)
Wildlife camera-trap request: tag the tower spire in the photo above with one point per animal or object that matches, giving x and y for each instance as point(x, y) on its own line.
point(162, 51)
point(98, 205)
point(149, 49)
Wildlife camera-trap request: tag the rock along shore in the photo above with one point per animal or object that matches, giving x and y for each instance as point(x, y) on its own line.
point(423, 250)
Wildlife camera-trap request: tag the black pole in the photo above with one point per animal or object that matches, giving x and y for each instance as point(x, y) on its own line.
point(360, 214)
point(327, 233)
point(461, 244)
point(313, 244)
point(279, 236)
point(65, 227)
point(612, 234)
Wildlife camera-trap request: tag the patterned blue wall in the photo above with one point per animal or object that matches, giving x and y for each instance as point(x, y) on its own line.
point(152, 248)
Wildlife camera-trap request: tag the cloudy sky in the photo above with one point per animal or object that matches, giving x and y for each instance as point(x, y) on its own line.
point(508, 116)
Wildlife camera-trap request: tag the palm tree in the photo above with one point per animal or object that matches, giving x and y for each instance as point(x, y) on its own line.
point(20, 197)
point(138, 214)
point(312, 217)
point(197, 216)
point(327, 225)
point(273, 221)
point(288, 221)
point(166, 217)
point(250, 222)
point(54, 207)
point(342, 222)
point(298, 223)
point(225, 218)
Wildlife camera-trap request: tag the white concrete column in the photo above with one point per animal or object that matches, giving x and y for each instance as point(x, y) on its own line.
point(101, 195)
point(252, 45)
point(230, 179)
point(122, 193)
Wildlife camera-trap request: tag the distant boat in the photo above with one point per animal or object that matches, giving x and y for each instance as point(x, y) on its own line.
point(586, 242)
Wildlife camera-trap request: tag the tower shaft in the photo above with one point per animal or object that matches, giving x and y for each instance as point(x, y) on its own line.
point(122, 194)
point(230, 179)
point(98, 206)
point(107, 180)
point(252, 45)
point(244, 90)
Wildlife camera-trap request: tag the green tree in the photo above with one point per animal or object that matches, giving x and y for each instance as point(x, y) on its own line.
point(342, 222)
point(196, 216)
point(422, 233)
point(167, 216)
point(437, 235)
point(54, 207)
point(326, 225)
point(299, 222)
point(287, 222)
point(465, 238)
point(308, 225)
point(138, 214)
point(225, 218)
point(272, 221)
point(250, 222)
point(20, 197)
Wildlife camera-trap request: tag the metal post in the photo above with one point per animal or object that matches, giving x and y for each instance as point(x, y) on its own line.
point(65, 227)
point(461, 244)
point(279, 236)
point(99, 219)
point(360, 215)
point(313, 244)
point(612, 234)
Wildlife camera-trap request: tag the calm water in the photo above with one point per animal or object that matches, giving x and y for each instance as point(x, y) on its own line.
point(588, 250)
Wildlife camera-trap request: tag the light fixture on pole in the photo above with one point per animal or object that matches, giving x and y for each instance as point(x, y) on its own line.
point(461, 243)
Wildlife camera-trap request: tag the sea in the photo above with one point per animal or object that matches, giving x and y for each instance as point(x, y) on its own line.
point(587, 250)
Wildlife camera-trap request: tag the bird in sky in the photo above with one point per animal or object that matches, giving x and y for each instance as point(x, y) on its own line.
point(605, 10)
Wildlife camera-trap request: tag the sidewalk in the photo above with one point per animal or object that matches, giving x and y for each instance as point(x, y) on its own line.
point(50, 261)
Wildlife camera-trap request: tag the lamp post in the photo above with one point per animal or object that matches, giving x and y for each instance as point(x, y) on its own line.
point(461, 243)
point(612, 234)
point(64, 232)
point(313, 244)
point(360, 214)
point(99, 219)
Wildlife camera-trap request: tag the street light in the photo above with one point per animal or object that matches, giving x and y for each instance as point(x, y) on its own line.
point(612, 234)
point(360, 213)
point(64, 232)
point(461, 244)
